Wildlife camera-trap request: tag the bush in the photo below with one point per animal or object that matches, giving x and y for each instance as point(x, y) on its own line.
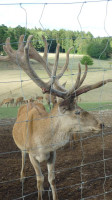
point(100, 48)
point(86, 60)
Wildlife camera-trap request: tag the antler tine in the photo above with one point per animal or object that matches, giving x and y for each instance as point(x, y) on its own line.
point(45, 56)
point(36, 56)
point(57, 85)
point(45, 47)
point(87, 88)
point(21, 43)
point(11, 53)
point(8, 46)
point(78, 78)
point(7, 51)
point(4, 58)
point(84, 75)
point(43, 60)
point(46, 87)
point(65, 65)
point(28, 41)
point(77, 83)
point(55, 63)
point(29, 70)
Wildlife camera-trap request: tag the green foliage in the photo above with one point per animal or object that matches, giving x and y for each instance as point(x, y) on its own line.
point(86, 60)
point(83, 43)
point(3, 35)
point(99, 48)
point(15, 33)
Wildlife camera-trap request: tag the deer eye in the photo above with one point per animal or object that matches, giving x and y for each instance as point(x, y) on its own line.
point(77, 112)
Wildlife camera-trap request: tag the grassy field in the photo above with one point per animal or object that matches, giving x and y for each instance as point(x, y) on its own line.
point(14, 82)
point(11, 112)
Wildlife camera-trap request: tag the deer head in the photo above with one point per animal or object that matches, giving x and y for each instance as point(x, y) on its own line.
point(66, 117)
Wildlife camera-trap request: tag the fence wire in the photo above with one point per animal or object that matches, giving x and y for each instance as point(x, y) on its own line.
point(81, 139)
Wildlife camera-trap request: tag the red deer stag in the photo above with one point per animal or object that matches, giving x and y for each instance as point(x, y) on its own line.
point(19, 101)
point(8, 101)
point(36, 137)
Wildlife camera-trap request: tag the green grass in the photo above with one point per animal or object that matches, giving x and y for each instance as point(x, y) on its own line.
point(11, 112)
point(96, 106)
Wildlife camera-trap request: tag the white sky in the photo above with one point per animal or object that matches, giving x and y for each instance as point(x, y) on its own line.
point(95, 17)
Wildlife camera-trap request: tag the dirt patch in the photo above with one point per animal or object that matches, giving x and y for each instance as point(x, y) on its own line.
point(95, 174)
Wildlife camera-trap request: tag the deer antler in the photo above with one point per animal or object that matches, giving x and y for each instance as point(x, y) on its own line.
point(44, 61)
point(36, 56)
point(78, 82)
point(21, 57)
point(24, 53)
point(87, 88)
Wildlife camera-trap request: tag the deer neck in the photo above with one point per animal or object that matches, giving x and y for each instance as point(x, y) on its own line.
point(60, 131)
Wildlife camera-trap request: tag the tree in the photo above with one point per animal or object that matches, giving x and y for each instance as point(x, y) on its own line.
point(106, 48)
point(3, 35)
point(86, 60)
point(99, 48)
point(82, 41)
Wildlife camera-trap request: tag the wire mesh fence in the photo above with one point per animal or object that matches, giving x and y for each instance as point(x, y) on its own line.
point(83, 164)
